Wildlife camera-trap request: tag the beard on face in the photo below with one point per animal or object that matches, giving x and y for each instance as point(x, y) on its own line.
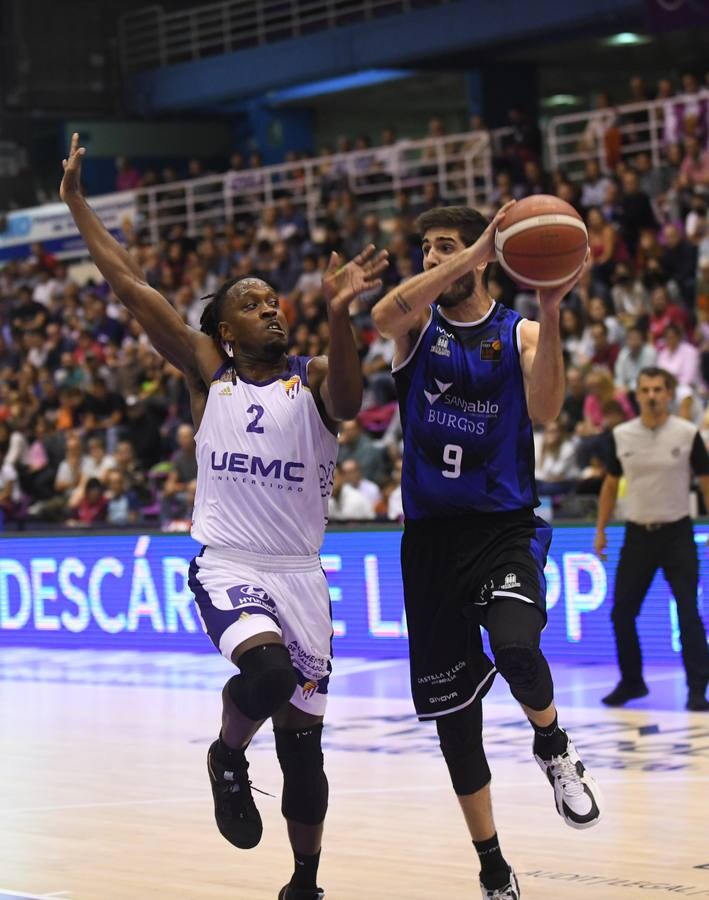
point(460, 290)
point(274, 349)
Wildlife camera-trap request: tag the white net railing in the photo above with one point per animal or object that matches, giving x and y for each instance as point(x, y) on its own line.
point(457, 168)
point(621, 131)
point(152, 38)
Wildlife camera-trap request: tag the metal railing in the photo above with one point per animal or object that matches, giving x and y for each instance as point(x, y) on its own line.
point(458, 166)
point(641, 128)
point(152, 38)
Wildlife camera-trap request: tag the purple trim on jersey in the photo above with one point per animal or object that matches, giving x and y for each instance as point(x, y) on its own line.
point(297, 365)
point(227, 364)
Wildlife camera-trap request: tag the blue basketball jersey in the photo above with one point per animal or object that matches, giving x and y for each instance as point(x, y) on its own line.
point(468, 445)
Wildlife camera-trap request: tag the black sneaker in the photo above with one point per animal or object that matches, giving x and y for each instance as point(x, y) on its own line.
point(623, 692)
point(290, 893)
point(237, 818)
point(697, 702)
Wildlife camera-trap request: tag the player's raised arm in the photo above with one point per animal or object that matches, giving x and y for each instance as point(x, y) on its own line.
point(542, 357)
point(169, 334)
point(402, 310)
point(339, 379)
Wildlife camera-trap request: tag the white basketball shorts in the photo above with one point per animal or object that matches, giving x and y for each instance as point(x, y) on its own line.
point(241, 594)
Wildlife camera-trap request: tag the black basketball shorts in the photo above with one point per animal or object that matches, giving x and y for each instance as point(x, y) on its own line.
point(452, 570)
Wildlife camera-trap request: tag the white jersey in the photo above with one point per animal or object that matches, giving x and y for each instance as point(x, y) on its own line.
point(265, 464)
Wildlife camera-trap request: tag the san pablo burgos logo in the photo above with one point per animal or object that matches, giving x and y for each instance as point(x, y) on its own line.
point(442, 388)
point(477, 407)
point(510, 582)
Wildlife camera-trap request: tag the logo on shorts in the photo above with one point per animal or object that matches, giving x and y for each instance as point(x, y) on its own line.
point(510, 582)
point(251, 590)
point(251, 600)
point(313, 667)
point(309, 688)
point(444, 698)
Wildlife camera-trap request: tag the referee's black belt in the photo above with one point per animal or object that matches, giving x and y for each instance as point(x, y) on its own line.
point(655, 526)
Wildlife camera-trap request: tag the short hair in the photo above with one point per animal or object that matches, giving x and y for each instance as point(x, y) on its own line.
point(657, 372)
point(469, 223)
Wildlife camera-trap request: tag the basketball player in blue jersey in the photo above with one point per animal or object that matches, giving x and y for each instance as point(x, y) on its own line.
point(266, 451)
point(471, 377)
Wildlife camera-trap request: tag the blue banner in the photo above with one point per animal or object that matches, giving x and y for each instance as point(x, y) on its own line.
point(53, 226)
point(130, 592)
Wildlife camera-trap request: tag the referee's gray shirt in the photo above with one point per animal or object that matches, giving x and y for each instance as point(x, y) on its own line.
point(657, 464)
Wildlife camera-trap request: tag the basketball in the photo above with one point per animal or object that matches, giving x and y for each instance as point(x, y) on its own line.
point(542, 241)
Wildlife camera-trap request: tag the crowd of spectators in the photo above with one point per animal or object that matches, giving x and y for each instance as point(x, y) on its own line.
point(95, 427)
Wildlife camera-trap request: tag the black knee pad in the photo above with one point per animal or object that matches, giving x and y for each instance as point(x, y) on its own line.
point(305, 787)
point(526, 671)
point(461, 739)
point(266, 681)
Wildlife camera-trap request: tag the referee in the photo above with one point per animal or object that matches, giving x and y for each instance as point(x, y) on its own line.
point(657, 452)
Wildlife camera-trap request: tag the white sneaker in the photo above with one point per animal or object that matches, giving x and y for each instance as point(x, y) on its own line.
point(577, 795)
point(510, 891)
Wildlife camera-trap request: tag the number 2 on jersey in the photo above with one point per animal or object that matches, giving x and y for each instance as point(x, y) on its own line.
point(452, 456)
point(254, 424)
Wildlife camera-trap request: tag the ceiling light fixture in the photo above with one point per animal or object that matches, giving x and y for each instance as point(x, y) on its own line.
point(626, 39)
point(561, 100)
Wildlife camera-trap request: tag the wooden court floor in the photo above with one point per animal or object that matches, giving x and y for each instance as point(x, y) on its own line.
point(104, 793)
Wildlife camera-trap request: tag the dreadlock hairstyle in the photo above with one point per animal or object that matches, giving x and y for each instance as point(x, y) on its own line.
point(212, 312)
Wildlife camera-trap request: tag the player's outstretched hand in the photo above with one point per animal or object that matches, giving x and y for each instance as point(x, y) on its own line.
point(71, 182)
point(550, 298)
point(486, 241)
point(343, 282)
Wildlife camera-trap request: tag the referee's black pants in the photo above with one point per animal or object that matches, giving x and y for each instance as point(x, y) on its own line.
point(669, 547)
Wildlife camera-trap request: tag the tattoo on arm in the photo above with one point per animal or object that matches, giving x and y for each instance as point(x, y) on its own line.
point(402, 304)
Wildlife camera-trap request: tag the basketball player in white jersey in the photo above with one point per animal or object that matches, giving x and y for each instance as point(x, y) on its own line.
point(266, 451)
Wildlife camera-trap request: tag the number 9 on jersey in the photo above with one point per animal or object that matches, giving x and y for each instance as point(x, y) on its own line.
point(452, 456)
